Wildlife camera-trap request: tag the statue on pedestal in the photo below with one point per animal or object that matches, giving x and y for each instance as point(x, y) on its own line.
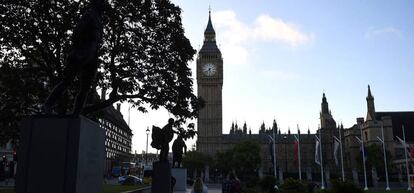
point(82, 61)
point(161, 139)
point(177, 148)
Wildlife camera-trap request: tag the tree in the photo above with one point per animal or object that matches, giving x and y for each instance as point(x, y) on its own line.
point(223, 161)
point(190, 132)
point(196, 161)
point(246, 158)
point(143, 59)
point(375, 158)
point(243, 158)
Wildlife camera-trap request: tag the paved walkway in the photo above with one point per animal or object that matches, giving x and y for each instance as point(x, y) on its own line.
point(212, 188)
point(7, 183)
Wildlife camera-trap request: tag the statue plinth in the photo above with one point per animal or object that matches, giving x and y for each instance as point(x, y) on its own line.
point(161, 177)
point(180, 175)
point(60, 154)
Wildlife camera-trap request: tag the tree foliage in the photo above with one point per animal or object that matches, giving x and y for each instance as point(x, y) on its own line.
point(344, 187)
point(246, 157)
point(243, 158)
point(375, 158)
point(194, 160)
point(143, 58)
point(190, 132)
point(291, 185)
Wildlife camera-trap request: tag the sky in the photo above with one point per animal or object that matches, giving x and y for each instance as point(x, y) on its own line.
point(280, 56)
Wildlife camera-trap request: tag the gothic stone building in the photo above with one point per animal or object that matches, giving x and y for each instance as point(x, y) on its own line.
point(370, 129)
point(211, 138)
point(210, 133)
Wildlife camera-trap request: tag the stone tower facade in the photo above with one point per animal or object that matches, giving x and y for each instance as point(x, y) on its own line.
point(328, 129)
point(375, 122)
point(370, 106)
point(210, 83)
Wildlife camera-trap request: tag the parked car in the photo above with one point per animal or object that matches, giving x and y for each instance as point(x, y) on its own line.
point(130, 180)
point(116, 171)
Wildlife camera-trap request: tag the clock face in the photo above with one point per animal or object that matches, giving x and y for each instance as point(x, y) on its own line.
point(209, 69)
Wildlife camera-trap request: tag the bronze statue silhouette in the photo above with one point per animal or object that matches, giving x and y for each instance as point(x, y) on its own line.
point(178, 152)
point(82, 60)
point(161, 139)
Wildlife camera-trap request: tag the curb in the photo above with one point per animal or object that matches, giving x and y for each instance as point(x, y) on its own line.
point(137, 190)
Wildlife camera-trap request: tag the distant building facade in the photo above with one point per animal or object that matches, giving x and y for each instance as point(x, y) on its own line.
point(117, 139)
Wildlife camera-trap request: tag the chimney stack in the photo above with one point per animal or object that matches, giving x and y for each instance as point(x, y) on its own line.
point(360, 120)
point(118, 107)
point(103, 93)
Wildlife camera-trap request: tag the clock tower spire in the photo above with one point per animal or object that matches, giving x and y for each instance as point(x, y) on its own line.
point(209, 33)
point(209, 88)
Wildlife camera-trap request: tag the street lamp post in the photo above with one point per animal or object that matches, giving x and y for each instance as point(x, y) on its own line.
point(406, 160)
point(361, 141)
point(382, 140)
point(146, 151)
point(274, 154)
point(285, 140)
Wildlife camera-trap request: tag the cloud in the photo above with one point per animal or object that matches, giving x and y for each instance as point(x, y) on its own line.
point(268, 28)
point(235, 36)
point(232, 35)
point(386, 31)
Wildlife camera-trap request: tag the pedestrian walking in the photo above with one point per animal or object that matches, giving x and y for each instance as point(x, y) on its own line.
point(173, 181)
point(199, 187)
point(11, 169)
point(235, 184)
point(226, 186)
point(3, 169)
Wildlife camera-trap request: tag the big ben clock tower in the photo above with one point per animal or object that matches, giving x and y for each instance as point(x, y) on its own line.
point(210, 83)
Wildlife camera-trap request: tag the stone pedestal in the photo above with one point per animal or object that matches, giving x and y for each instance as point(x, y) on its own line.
point(280, 176)
point(328, 178)
point(400, 178)
point(206, 177)
point(60, 154)
point(161, 177)
point(309, 173)
point(355, 176)
point(180, 175)
point(374, 178)
point(260, 172)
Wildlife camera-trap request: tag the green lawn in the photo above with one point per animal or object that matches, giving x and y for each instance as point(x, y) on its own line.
point(6, 190)
point(106, 188)
point(391, 191)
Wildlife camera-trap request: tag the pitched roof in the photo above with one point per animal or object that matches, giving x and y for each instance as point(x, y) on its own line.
point(209, 27)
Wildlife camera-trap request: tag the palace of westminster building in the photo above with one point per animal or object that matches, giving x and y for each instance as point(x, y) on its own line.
point(211, 138)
